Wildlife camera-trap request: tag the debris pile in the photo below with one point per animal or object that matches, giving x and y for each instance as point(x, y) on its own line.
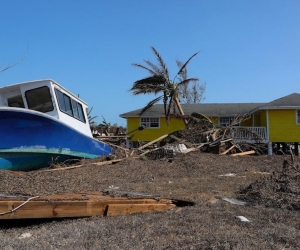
point(200, 134)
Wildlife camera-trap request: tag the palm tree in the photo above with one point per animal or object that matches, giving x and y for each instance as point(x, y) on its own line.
point(90, 117)
point(159, 82)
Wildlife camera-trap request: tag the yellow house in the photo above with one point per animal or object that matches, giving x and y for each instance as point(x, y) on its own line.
point(275, 122)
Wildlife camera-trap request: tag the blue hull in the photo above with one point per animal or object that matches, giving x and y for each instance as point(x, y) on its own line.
point(29, 140)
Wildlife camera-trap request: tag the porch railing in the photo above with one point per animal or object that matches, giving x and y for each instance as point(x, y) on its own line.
point(249, 134)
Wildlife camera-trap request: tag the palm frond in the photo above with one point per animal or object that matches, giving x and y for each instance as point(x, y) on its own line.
point(186, 63)
point(183, 72)
point(150, 104)
point(151, 84)
point(162, 64)
point(156, 70)
point(144, 67)
point(186, 81)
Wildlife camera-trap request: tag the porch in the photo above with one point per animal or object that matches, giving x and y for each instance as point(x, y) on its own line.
point(249, 134)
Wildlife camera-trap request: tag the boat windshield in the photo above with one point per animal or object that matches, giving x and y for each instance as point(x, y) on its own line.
point(16, 101)
point(39, 99)
point(69, 106)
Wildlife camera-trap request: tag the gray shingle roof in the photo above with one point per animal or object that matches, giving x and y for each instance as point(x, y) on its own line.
point(221, 109)
point(208, 109)
point(289, 100)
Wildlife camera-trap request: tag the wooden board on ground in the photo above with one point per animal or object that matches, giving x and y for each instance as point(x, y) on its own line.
point(80, 205)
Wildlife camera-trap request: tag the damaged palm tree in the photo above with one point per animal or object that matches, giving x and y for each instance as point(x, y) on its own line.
point(159, 82)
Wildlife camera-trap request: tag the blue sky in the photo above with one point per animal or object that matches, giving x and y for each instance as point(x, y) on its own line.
point(249, 50)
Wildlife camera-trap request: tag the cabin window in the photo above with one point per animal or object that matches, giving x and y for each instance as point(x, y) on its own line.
point(15, 101)
point(225, 121)
point(150, 122)
point(298, 116)
point(39, 99)
point(69, 106)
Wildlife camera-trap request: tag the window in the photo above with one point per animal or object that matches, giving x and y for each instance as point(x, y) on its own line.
point(150, 122)
point(16, 101)
point(225, 121)
point(39, 99)
point(298, 116)
point(69, 106)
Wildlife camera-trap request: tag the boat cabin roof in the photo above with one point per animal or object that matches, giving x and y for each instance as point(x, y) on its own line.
point(48, 97)
point(14, 88)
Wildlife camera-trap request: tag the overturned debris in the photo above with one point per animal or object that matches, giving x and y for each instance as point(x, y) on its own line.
point(107, 203)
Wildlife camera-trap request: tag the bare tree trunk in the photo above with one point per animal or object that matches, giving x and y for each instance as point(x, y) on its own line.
point(180, 110)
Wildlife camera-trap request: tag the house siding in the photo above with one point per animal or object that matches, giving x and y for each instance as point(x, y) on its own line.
point(283, 126)
point(263, 118)
point(150, 134)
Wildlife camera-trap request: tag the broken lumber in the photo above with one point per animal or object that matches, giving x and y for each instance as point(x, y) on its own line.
point(244, 153)
point(151, 142)
point(226, 151)
point(83, 205)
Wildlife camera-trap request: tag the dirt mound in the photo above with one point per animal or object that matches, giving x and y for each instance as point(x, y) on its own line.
point(280, 190)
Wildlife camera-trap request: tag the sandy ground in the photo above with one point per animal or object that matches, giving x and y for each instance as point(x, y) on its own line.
point(204, 178)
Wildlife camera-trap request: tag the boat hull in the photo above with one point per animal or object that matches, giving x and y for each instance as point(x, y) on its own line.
point(32, 140)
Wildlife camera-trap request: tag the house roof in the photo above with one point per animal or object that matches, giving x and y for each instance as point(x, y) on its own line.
point(291, 101)
point(222, 109)
point(208, 109)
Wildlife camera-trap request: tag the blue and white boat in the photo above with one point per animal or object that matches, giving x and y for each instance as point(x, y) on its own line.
point(40, 123)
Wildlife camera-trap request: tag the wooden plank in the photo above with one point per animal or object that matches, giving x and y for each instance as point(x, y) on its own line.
point(148, 151)
point(201, 145)
point(124, 209)
point(51, 209)
point(244, 153)
point(79, 166)
point(226, 151)
point(78, 205)
point(151, 142)
point(116, 146)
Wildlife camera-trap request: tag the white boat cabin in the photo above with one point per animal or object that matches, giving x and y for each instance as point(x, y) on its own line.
point(48, 97)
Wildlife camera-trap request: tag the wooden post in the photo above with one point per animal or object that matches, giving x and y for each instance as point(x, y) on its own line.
point(296, 146)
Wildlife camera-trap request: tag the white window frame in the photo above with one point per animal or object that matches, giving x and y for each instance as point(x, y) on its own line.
point(149, 122)
point(225, 121)
point(298, 116)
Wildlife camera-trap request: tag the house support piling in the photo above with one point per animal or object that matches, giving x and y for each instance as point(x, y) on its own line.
point(270, 148)
point(296, 146)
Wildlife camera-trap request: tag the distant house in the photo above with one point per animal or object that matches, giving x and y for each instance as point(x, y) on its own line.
point(275, 122)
